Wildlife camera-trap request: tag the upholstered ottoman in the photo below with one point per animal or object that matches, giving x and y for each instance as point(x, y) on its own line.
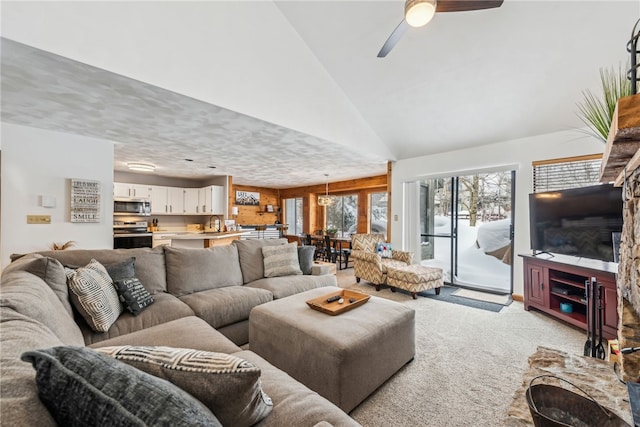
point(343, 358)
point(415, 278)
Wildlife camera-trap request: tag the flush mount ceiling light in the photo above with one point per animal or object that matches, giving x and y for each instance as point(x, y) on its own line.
point(141, 167)
point(326, 199)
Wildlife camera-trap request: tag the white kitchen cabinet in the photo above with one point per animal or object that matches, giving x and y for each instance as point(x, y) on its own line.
point(175, 199)
point(159, 201)
point(123, 189)
point(212, 200)
point(167, 200)
point(193, 201)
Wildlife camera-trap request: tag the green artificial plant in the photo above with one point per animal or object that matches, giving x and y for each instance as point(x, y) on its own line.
point(597, 113)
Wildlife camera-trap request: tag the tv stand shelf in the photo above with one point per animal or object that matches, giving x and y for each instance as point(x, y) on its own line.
point(550, 280)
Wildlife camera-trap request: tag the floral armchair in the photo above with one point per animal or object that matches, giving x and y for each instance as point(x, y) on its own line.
point(370, 265)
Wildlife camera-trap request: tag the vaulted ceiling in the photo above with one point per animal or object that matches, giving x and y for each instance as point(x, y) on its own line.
point(280, 93)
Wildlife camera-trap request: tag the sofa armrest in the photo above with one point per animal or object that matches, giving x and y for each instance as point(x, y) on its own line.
point(366, 256)
point(402, 256)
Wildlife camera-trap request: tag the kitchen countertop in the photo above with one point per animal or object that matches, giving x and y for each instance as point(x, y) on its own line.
point(209, 235)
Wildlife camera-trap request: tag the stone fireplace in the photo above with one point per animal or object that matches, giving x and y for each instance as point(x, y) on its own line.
point(621, 163)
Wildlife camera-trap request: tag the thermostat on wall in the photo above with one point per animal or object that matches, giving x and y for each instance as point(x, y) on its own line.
point(48, 202)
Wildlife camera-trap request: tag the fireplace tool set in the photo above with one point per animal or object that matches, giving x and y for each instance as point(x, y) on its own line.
point(593, 297)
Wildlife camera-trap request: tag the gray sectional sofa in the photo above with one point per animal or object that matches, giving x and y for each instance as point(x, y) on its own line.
point(203, 298)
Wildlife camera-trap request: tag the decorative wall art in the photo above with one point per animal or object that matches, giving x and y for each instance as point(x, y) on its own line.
point(247, 198)
point(85, 200)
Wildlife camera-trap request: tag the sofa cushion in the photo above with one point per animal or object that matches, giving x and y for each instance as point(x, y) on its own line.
point(133, 295)
point(223, 306)
point(193, 270)
point(201, 336)
point(251, 259)
point(228, 385)
point(19, 404)
point(281, 260)
point(165, 308)
point(150, 266)
point(305, 258)
point(48, 269)
point(81, 386)
point(29, 295)
point(93, 295)
point(285, 286)
point(294, 401)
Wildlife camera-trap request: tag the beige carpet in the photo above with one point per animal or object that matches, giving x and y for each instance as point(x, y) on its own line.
point(467, 366)
point(482, 296)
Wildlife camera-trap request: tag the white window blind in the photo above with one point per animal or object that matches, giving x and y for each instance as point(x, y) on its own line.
point(568, 172)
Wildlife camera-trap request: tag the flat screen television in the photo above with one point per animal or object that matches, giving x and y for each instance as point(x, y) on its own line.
point(578, 222)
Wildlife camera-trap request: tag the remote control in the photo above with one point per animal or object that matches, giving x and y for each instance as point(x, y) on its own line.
point(332, 299)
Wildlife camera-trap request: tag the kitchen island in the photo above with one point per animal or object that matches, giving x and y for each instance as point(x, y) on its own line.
point(206, 239)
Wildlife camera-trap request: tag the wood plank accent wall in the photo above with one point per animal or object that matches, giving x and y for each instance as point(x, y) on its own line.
point(254, 215)
point(314, 215)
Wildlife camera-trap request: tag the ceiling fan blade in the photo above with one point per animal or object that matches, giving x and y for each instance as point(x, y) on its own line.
point(393, 39)
point(464, 5)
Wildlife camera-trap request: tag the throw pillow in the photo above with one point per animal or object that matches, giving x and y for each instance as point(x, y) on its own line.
point(133, 295)
point(305, 258)
point(281, 260)
point(82, 387)
point(384, 250)
point(121, 270)
point(94, 296)
point(226, 384)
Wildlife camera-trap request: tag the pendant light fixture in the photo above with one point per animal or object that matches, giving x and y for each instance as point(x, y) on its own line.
point(326, 199)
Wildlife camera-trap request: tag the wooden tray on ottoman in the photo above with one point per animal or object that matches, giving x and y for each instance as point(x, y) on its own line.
point(334, 308)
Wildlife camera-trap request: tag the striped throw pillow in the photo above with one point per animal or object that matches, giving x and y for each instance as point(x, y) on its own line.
point(228, 385)
point(93, 295)
point(281, 260)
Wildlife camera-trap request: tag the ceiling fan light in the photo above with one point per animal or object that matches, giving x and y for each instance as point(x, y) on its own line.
point(418, 13)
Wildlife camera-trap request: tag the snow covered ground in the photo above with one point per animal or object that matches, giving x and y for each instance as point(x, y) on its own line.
point(475, 268)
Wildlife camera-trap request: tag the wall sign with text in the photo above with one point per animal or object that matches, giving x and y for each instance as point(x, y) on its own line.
point(85, 200)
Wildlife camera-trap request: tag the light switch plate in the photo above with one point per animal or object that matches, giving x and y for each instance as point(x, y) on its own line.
point(38, 219)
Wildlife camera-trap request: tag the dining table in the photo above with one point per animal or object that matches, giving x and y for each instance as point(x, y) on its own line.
point(338, 243)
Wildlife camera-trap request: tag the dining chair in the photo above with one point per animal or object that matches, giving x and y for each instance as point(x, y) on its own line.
point(330, 253)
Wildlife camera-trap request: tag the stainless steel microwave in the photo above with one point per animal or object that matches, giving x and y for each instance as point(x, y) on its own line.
point(133, 207)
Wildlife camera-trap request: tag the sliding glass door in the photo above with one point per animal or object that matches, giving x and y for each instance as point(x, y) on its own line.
point(466, 228)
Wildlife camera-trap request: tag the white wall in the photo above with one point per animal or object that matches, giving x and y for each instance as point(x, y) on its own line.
point(516, 154)
point(38, 162)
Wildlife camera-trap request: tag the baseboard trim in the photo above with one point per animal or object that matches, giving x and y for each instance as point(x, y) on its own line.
point(517, 297)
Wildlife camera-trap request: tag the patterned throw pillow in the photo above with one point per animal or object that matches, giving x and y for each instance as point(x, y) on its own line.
point(82, 387)
point(133, 295)
point(281, 260)
point(229, 386)
point(93, 295)
point(384, 250)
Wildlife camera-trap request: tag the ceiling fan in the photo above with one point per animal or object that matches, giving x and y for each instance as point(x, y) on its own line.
point(418, 13)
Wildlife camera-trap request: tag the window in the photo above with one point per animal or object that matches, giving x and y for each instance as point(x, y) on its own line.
point(569, 172)
point(293, 215)
point(378, 213)
point(343, 215)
